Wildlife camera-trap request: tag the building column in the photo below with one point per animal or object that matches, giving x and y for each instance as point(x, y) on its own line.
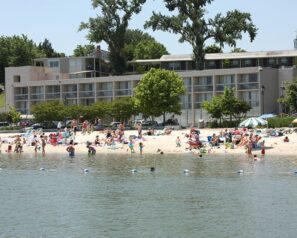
point(95, 88)
point(193, 102)
point(77, 94)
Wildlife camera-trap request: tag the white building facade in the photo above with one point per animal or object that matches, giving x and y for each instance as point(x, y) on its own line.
point(258, 78)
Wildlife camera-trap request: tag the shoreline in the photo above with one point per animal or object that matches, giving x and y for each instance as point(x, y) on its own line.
point(155, 144)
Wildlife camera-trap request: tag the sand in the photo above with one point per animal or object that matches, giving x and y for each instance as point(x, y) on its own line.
point(164, 143)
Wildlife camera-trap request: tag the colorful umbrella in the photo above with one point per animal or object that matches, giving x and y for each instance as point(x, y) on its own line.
point(253, 122)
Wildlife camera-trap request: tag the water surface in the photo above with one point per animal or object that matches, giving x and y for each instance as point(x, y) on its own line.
point(212, 200)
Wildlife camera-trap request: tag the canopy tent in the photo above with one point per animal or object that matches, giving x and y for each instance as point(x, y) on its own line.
point(253, 122)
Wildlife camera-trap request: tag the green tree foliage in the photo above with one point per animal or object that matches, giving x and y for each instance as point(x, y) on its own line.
point(48, 111)
point(47, 49)
point(149, 49)
point(123, 109)
point(190, 22)
point(159, 92)
point(111, 26)
point(238, 50)
point(289, 100)
point(226, 105)
point(212, 49)
point(83, 50)
point(17, 51)
point(12, 116)
point(133, 38)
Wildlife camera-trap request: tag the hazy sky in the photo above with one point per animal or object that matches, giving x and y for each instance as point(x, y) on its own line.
point(58, 21)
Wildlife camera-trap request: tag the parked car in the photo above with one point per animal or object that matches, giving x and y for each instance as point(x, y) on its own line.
point(44, 125)
point(4, 124)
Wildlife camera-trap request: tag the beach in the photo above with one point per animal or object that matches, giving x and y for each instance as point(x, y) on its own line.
point(158, 143)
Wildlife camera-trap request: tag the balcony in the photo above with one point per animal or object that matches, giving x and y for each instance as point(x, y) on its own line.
point(186, 105)
point(104, 93)
point(203, 88)
point(253, 103)
point(248, 86)
point(123, 92)
point(21, 97)
point(70, 95)
point(188, 88)
point(87, 94)
point(221, 87)
point(52, 96)
point(36, 96)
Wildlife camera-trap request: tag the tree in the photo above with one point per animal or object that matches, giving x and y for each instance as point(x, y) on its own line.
point(158, 92)
point(289, 100)
point(213, 49)
point(83, 50)
point(122, 109)
point(214, 107)
point(47, 49)
point(226, 105)
point(191, 24)
point(238, 50)
point(17, 51)
point(48, 111)
point(140, 45)
point(149, 49)
point(13, 116)
point(133, 38)
point(111, 27)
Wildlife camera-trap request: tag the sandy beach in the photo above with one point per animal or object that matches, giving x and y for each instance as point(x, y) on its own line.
point(274, 145)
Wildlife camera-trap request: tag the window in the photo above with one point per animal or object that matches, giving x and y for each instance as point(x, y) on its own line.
point(16, 78)
point(54, 64)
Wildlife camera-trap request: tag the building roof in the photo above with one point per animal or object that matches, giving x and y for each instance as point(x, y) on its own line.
point(221, 56)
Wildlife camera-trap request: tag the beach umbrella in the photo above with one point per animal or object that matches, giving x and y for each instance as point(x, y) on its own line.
point(265, 116)
point(253, 122)
point(294, 121)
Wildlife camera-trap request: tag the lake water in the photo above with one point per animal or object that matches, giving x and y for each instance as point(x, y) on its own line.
point(212, 200)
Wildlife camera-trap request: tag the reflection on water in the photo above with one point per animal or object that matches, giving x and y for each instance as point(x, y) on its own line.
point(212, 200)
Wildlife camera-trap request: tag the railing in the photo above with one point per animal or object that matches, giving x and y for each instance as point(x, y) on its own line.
point(248, 86)
point(36, 96)
point(19, 97)
point(70, 95)
point(221, 87)
point(188, 88)
point(203, 88)
point(104, 93)
point(197, 105)
point(253, 103)
point(123, 92)
point(87, 94)
point(52, 95)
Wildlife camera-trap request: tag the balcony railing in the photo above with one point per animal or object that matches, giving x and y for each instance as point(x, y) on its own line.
point(104, 93)
point(203, 88)
point(20, 97)
point(123, 92)
point(253, 103)
point(221, 87)
point(186, 105)
point(37, 96)
point(70, 95)
point(87, 94)
point(188, 88)
point(248, 86)
point(52, 96)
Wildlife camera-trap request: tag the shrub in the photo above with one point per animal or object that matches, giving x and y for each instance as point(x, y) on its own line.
point(280, 122)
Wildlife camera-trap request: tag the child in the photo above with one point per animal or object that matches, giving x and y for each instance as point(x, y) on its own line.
point(131, 146)
point(9, 148)
point(178, 142)
point(140, 147)
point(91, 150)
point(43, 143)
point(263, 147)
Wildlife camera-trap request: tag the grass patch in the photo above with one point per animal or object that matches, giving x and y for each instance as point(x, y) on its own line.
point(2, 100)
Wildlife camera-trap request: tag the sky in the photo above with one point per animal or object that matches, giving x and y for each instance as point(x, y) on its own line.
point(59, 20)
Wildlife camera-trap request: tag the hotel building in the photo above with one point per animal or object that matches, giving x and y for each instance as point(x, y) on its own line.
point(258, 78)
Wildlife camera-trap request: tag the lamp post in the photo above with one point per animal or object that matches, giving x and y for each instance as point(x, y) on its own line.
point(262, 93)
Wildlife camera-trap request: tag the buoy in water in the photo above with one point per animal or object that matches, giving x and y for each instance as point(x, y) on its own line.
point(240, 171)
point(186, 171)
point(152, 169)
point(86, 170)
point(134, 170)
point(42, 169)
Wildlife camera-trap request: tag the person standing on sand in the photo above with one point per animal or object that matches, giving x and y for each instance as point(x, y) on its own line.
point(43, 143)
point(74, 126)
point(139, 129)
point(131, 146)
